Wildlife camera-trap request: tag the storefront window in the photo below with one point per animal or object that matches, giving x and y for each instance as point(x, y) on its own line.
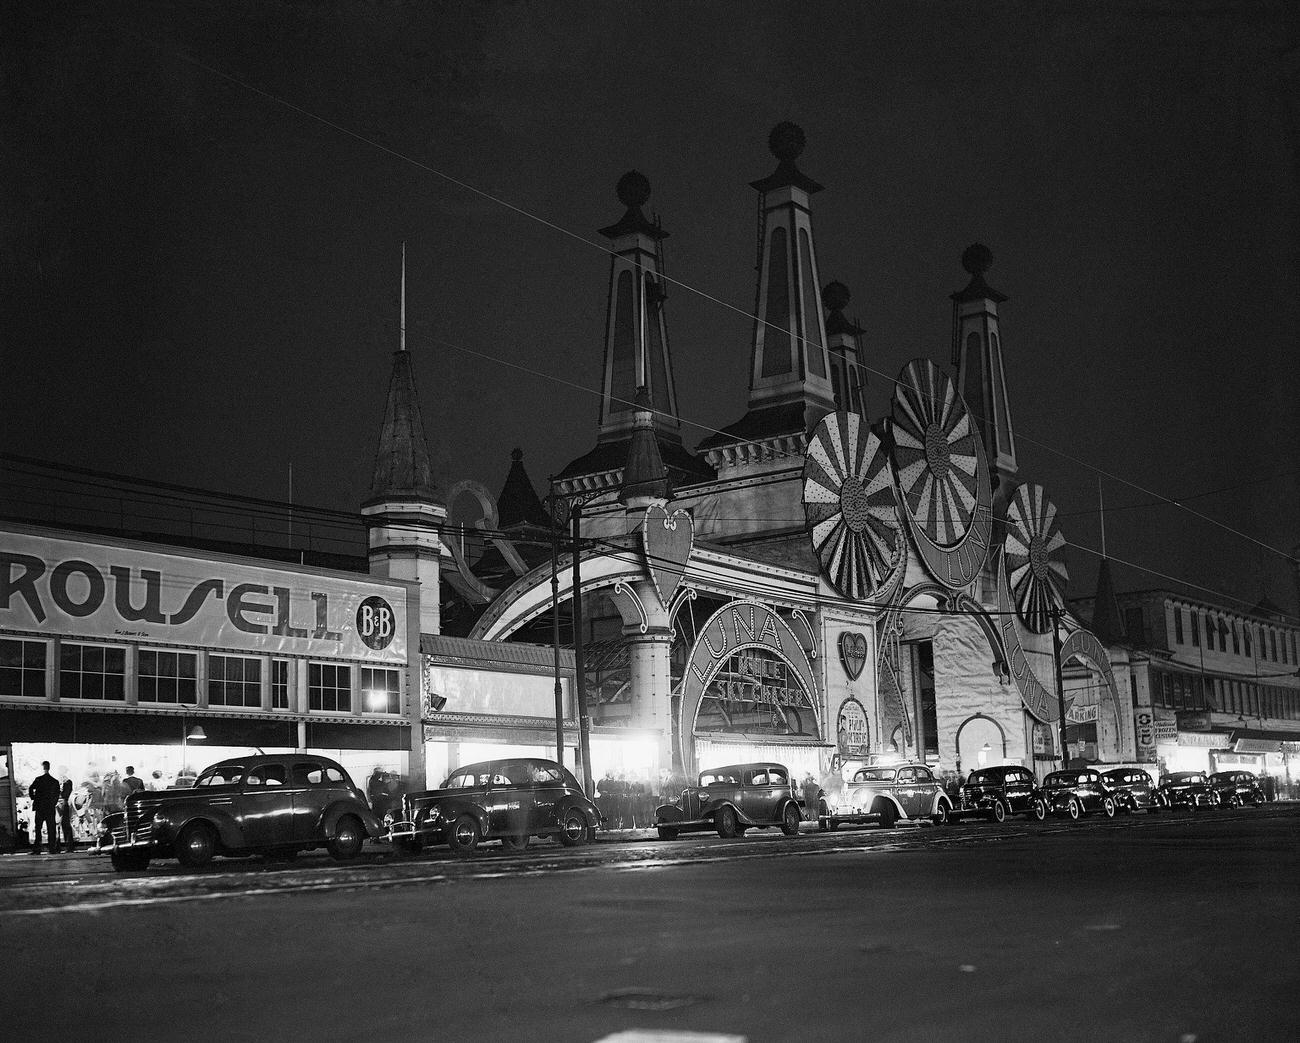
point(329, 687)
point(381, 690)
point(168, 677)
point(22, 668)
point(92, 672)
point(279, 684)
point(234, 681)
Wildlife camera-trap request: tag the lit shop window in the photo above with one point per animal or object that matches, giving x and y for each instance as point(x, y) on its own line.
point(279, 684)
point(22, 668)
point(168, 677)
point(92, 672)
point(381, 690)
point(329, 687)
point(234, 681)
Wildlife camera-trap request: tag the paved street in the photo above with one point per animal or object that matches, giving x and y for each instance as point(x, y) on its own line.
point(1174, 927)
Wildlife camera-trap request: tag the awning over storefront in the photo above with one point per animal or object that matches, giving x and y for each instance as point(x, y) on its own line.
point(1265, 740)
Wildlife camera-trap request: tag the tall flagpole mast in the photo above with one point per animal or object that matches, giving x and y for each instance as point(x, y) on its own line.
point(402, 325)
point(1102, 505)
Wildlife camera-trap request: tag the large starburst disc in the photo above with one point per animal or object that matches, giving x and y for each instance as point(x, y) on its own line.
point(934, 451)
point(1034, 549)
point(849, 504)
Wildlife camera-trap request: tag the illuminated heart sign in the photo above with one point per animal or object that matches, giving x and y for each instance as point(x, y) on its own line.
point(667, 540)
point(853, 653)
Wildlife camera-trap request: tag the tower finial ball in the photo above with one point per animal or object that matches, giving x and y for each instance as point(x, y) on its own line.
point(835, 296)
point(786, 141)
point(977, 259)
point(633, 189)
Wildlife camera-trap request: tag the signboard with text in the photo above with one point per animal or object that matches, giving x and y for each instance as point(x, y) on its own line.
point(79, 589)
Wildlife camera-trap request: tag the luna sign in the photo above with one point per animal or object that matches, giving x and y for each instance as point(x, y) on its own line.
point(115, 593)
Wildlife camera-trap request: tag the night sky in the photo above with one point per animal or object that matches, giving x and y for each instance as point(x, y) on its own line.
point(198, 283)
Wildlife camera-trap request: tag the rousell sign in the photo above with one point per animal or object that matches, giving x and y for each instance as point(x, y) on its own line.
point(91, 590)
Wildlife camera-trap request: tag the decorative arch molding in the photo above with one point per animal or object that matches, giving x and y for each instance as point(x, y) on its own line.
point(738, 625)
point(956, 740)
point(966, 603)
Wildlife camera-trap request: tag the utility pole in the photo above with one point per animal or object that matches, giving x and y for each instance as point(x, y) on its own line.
point(1060, 686)
point(555, 639)
point(579, 670)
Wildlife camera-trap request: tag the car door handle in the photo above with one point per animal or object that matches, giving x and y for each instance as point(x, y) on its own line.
point(222, 801)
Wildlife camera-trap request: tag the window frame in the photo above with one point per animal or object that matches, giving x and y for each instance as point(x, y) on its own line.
point(24, 671)
point(63, 671)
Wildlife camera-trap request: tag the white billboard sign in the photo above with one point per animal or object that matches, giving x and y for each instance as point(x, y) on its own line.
point(92, 590)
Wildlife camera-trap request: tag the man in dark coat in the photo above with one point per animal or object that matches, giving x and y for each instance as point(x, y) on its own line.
point(44, 793)
point(65, 815)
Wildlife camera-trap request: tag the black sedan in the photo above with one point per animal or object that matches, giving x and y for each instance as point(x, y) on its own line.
point(1078, 791)
point(510, 800)
point(1006, 789)
point(1134, 789)
point(1236, 788)
point(1189, 789)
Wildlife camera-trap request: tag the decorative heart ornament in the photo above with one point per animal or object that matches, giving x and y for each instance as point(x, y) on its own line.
point(667, 540)
point(853, 653)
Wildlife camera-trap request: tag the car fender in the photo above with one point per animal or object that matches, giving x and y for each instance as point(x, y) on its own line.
point(229, 834)
point(890, 799)
point(940, 799)
point(711, 813)
point(329, 818)
point(668, 813)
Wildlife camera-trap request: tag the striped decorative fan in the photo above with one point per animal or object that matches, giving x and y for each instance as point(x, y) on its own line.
point(1034, 550)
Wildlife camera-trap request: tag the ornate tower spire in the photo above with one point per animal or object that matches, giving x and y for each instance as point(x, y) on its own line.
point(645, 479)
point(977, 354)
point(636, 335)
point(844, 339)
point(404, 511)
point(789, 379)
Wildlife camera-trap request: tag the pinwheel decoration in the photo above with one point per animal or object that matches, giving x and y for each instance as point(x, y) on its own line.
point(848, 501)
point(934, 450)
point(1033, 551)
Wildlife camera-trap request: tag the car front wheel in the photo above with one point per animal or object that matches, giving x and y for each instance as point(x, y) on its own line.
point(196, 845)
point(1074, 809)
point(1038, 809)
point(1108, 807)
point(347, 839)
point(999, 811)
point(940, 816)
point(790, 819)
point(573, 830)
point(464, 835)
point(888, 816)
point(726, 823)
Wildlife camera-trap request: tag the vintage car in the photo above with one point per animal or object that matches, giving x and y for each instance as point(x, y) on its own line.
point(1006, 789)
point(1134, 789)
point(266, 804)
point(1236, 788)
point(1189, 789)
point(731, 800)
point(511, 800)
point(886, 794)
point(1078, 791)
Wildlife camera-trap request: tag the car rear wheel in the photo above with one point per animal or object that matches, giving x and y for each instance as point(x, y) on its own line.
point(196, 845)
point(347, 839)
point(888, 816)
point(1074, 809)
point(1258, 800)
point(464, 835)
point(1108, 807)
point(129, 861)
point(999, 811)
point(790, 819)
point(573, 830)
point(940, 816)
point(726, 823)
point(667, 833)
point(1038, 809)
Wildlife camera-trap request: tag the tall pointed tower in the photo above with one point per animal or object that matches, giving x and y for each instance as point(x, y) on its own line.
point(404, 511)
point(636, 354)
point(844, 339)
point(790, 376)
point(977, 354)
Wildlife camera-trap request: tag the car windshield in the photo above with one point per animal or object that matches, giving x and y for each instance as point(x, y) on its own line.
point(875, 775)
point(221, 775)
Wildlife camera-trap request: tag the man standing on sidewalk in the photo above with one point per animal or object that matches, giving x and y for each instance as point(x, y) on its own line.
point(44, 794)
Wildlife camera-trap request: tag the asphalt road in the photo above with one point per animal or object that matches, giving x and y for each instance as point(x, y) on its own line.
point(1177, 928)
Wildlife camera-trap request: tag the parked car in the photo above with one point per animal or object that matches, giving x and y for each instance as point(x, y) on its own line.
point(264, 804)
point(1189, 789)
point(1007, 789)
point(1076, 792)
point(1237, 788)
point(511, 800)
point(731, 800)
point(1132, 789)
point(908, 792)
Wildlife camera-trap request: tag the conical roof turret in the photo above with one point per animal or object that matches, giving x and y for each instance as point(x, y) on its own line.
point(403, 471)
point(645, 479)
point(519, 503)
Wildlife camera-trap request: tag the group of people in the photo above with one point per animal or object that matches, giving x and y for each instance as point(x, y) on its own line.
point(629, 803)
point(63, 813)
point(384, 791)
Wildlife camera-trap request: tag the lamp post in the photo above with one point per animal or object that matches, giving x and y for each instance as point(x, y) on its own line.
point(1060, 686)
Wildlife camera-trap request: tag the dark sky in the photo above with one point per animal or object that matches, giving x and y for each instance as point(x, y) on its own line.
point(198, 284)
